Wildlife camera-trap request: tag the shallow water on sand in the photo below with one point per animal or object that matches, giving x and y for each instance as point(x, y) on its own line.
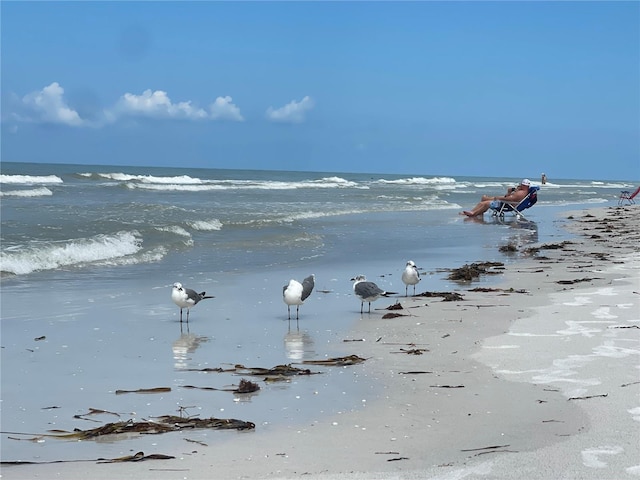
point(73, 335)
point(83, 335)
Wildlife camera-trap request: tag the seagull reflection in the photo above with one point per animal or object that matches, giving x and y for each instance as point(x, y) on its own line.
point(297, 344)
point(184, 346)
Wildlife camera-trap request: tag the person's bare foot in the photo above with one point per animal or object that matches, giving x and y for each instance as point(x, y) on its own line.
point(468, 214)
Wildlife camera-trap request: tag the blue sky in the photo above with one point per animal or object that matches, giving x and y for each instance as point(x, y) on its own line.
point(424, 88)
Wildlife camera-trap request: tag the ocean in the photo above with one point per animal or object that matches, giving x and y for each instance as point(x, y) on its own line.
point(89, 254)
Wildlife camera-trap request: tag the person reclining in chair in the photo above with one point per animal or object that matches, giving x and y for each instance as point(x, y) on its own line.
point(513, 196)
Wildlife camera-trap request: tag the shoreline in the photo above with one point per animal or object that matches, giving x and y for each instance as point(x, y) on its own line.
point(460, 408)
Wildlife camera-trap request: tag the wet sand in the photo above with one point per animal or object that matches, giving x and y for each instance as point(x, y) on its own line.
point(537, 377)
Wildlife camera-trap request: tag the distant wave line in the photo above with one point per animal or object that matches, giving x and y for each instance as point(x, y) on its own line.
point(247, 185)
point(33, 192)
point(125, 177)
point(188, 183)
point(29, 179)
point(419, 181)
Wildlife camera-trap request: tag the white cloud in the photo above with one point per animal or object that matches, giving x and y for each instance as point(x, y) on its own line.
point(157, 105)
point(48, 105)
point(223, 108)
point(292, 112)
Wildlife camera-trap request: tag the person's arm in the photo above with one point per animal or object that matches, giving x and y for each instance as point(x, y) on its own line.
point(504, 198)
point(512, 196)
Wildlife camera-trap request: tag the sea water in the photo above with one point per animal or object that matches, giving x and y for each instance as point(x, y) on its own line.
point(89, 254)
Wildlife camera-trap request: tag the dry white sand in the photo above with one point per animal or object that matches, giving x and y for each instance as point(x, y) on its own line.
point(538, 379)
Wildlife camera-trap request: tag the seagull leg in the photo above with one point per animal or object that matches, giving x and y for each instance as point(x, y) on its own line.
point(182, 328)
point(289, 311)
point(180, 315)
point(297, 312)
point(361, 306)
point(406, 291)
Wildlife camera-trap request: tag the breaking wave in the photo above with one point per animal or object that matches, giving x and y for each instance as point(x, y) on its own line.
point(420, 181)
point(147, 179)
point(29, 179)
point(33, 192)
point(206, 225)
point(52, 255)
point(185, 183)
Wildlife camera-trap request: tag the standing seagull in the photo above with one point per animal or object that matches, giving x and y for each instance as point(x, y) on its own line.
point(366, 291)
point(296, 293)
point(186, 298)
point(410, 276)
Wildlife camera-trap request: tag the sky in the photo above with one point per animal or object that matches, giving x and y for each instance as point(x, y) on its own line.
point(422, 88)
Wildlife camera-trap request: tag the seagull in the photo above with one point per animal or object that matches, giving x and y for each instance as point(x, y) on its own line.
point(296, 293)
point(410, 276)
point(186, 298)
point(366, 291)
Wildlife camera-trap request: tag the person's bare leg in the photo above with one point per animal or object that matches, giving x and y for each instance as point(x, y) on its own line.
point(482, 207)
point(478, 210)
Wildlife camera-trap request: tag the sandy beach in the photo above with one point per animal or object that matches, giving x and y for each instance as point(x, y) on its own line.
point(535, 378)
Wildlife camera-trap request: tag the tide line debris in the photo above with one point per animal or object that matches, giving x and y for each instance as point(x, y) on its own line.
point(164, 424)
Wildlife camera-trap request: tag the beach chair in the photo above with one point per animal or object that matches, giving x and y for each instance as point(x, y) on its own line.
point(626, 196)
point(501, 208)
